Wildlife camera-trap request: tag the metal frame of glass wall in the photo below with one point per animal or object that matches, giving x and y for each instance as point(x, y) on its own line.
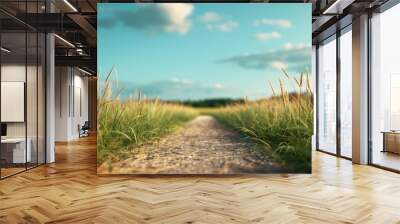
point(334, 37)
point(32, 46)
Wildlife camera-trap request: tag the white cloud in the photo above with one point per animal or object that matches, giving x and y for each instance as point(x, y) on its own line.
point(268, 36)
point(281, 23)
point(187, 82)
point(288, 46)
point(291, 46)
point(153, 18)
point(296, 59)
point(177, 14)
point(227, 26)
point(218, 86)
point(209, 17)
point(181, 81)
point(279, 65)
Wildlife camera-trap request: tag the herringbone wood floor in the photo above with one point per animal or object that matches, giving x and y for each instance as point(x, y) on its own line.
point(70, 191)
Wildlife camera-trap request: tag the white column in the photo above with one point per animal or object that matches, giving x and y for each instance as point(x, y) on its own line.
point(50, 94)
point(360, 90)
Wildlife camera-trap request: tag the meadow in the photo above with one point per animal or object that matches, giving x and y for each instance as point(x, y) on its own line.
point(125, 125)
point(282, 125)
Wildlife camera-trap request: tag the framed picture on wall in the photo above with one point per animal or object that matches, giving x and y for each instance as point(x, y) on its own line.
point(204, 88)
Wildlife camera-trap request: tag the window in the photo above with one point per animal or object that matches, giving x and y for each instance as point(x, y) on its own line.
point(385, 89)
point(327, 96)
point(346, 93)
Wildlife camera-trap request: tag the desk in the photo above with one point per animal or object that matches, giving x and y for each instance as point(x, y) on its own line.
point(391, 141)
point(13, 150)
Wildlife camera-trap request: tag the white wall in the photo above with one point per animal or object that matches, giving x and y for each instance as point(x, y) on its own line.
point(80, 96)
point(62, 82)
point(16, 73)
point(34, 126)
point(71, 87)
point(10, 73)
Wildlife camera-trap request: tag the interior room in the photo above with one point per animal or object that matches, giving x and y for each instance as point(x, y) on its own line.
point(22, 102)
point(24, 67)
point(71, 103)
point(49, 105)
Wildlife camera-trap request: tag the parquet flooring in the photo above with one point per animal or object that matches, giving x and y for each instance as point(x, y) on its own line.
point(70, 191)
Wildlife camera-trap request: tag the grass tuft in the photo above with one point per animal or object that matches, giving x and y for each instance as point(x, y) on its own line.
point(283, 124)
point(125, 124)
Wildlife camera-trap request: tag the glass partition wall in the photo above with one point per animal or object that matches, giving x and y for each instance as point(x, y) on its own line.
point(385, 90)
point(334, 94)
point(22, 98)
point(327, 95)
point(13, 88)
point(345, 61)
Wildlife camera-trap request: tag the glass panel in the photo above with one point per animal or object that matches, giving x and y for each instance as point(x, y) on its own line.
point(41, 99)
point(346, 94)
point(327, 96)
point(32, 89)
point(385, 84)
point(31, 98)
point(13, 86)
point(23, 90)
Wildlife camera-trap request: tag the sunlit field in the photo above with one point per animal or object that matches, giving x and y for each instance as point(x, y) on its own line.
point(281, 125)
point(125, 125)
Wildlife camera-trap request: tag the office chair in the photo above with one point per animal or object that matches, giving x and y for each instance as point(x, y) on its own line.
point(84, 130)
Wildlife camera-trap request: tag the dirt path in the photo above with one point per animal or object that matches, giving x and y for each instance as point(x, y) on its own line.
point(203, 146)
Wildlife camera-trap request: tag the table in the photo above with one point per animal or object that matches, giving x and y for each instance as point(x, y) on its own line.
point(391, 141)
point(13, 150)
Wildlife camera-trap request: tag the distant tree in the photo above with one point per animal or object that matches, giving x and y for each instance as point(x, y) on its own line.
point(215, 102)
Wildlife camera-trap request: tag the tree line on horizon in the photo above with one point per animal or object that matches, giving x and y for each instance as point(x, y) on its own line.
point(214, 102)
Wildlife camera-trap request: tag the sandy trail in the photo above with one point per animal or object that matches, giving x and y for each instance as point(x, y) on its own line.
point(202, 146)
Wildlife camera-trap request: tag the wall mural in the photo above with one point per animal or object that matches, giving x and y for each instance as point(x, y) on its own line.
point(204, 88)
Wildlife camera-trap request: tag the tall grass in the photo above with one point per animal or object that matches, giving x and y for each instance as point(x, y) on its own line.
point(283, 124)
point(123, 125)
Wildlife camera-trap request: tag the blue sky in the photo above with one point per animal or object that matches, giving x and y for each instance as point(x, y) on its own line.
point(196, 51)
